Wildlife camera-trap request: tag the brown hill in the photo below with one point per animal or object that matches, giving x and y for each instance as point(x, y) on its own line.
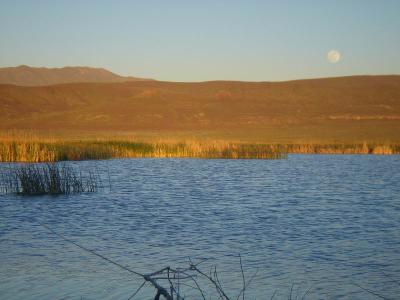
point(346, 108)
point(29, 76)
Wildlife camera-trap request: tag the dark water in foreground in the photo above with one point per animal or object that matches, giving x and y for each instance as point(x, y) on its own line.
point(322, 222)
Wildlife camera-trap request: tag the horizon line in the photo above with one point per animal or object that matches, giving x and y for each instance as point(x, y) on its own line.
point(200, 81)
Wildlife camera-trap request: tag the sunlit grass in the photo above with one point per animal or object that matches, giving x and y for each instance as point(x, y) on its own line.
point(23, 147)
point(36, 151)
point(345, 148)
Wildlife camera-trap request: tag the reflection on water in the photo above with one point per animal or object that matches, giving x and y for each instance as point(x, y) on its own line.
point(321, 222)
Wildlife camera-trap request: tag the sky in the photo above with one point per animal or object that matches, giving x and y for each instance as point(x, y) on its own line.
point(192, 40)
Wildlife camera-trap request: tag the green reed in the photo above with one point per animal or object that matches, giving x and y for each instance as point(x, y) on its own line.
point(46, 179)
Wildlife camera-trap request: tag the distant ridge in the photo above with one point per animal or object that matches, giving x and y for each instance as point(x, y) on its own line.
point(31, 76)
point(354, 108)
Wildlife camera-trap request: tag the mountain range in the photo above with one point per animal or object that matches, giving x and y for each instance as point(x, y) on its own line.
point(29, 76)
point(354, 108)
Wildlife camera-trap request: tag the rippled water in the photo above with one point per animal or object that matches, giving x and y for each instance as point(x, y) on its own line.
point(320, 222)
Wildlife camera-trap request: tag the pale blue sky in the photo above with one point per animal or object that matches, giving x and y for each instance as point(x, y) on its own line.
point(204, 40)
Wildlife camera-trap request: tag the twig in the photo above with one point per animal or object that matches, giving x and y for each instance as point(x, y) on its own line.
point(390, 278)
point(291, 291)
point(250, 280)
point(371, 292)
point(306, 293)
point(137, 291)
point(197, 285)
point(212, 280)
point(160, 290)
point(243, 278)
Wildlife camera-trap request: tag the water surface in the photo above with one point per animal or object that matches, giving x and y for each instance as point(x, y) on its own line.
point(321, 222)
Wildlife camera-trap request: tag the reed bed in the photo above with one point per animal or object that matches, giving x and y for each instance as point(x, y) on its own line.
point(34, 149)
point(345, 148)
point(46, 179)
point(37, 151)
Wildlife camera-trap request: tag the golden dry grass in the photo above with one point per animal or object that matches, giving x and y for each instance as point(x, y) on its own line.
point(29, 148)
point(32, 147)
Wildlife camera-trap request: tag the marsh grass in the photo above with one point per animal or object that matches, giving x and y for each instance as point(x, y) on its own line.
point(46, 179)
point(38, 151)
point(30, 148)
point(344, 148)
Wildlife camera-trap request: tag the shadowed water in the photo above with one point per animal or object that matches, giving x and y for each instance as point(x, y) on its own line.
point(323, 223)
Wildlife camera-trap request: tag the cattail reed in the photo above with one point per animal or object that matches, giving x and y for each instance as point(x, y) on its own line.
point(34, 151)
point(46, 179)
point(21, 148)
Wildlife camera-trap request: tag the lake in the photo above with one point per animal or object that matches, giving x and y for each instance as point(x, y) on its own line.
point(323, 226)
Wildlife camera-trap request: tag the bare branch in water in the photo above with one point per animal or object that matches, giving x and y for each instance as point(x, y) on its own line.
point(176, 278)
point(273, 295)
point(161, 291)
point(371, 292)
point(137, 291)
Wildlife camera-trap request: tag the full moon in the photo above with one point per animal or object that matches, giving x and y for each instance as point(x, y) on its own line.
point(333, 56)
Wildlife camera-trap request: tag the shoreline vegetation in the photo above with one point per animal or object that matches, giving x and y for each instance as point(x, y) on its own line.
point(47, 179)
point(51, 149)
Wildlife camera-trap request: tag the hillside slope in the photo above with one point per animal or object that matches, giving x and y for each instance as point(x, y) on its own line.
point(29, 76)
point(344, 108)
